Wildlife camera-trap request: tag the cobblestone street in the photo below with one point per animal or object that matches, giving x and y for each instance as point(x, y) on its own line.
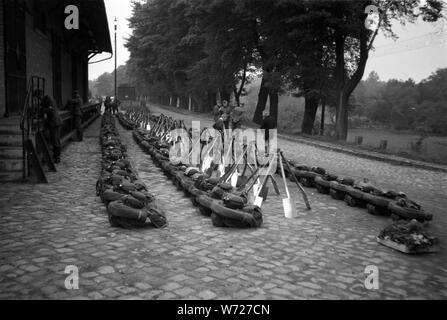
point(321, 255)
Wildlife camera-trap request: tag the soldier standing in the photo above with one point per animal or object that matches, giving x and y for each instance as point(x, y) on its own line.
point(217, 111)
point(115, 105)
point(54, 123)
point(236, 116)
point(107, 104)
point(267, 125)
point(226, 110)
point(76, 105)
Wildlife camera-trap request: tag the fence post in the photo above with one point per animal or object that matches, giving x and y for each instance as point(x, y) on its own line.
point(358, 140)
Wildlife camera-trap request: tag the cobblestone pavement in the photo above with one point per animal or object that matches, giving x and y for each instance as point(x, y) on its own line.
point(321, 255)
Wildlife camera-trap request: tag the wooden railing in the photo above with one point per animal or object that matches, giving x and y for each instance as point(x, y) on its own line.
point(36, 151)
point(89, 113)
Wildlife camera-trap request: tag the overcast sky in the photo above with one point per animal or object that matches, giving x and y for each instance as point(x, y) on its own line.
point(419, 51)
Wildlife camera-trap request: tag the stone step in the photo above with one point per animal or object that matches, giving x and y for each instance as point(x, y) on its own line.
point(10, 129)
point(11, 152)
point(10, 140)
point(8, 165)
point(12, 121)
point(12, 176)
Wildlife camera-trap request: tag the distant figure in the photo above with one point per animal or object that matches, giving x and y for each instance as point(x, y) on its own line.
point(217, 111)
point(267, 125)
point(108, 104)
point(54, 123)
point(225, 111)
point(219, 125)
point(115, 105)
point(76, 110)
point(237, 116)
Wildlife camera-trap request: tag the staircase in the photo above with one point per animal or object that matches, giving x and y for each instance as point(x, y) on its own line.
point(23, 148)
point(11, 157)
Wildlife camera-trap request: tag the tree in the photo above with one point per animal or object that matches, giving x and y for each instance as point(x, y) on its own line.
point(354, 41)
point(405, 104)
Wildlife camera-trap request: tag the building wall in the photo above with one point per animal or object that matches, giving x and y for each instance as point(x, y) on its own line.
point(2, 65)
point(66, 76)
point(39, 55)
point(40, 58)
point(82, 78)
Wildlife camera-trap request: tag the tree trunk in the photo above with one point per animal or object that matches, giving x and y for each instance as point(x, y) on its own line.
point(262, 101)
point(341, 124)
point(310, 111)
point(323, 116)
point(236, 97)
point(274, 98)
point(211, 101)
point(348, 86)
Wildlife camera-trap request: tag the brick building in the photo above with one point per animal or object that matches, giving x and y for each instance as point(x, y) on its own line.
point(35, 42)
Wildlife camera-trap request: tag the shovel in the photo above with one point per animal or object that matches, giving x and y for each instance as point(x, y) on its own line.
point(234, 178)
point(234, 174)
point(288, 204)
point(306, 200)
point(258, 199)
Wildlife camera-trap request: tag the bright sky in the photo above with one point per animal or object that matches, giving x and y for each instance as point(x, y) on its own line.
point(122, 9)
point(420, 49)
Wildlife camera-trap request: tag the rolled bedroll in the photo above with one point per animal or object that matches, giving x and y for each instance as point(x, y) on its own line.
point(354, 197)
point(377, 201)
point(338, 190)
point(196, 192)
point(144, 197)
point(119, 209)
point(323, 186)
point(186, 183)
point(409, 213)
point(109, 196)
point(307, 178)
point(204, 204)
point(226, 217)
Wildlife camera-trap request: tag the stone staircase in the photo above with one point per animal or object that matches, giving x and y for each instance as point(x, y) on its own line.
point(11, 163)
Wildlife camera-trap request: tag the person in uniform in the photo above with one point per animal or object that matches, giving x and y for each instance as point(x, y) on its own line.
point(237, 116)
point(54, 123)
point(217, 111)
point(115, 105)
point(225, 111)
point(267, 125)
point(108, 104)
point(76, 110)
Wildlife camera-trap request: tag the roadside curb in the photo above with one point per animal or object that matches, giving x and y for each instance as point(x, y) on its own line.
point(369, 155)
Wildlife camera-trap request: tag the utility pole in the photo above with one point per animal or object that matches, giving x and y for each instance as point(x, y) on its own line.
point(115, 55)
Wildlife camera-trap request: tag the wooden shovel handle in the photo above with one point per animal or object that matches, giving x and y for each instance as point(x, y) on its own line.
point(306, 200)
point(275, 185)
point(252, 184)
point(275, 157)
